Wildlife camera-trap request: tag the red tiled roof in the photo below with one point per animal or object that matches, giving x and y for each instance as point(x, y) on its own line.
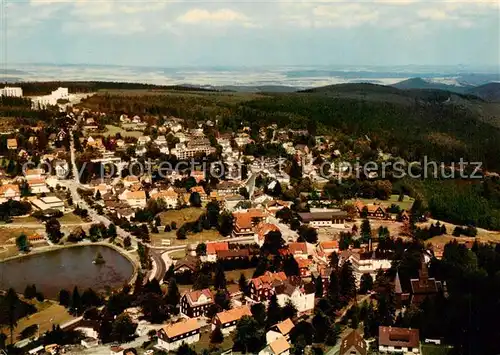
point(298, 247)
point(398, 337)
point(268, 279)
point(213, 248)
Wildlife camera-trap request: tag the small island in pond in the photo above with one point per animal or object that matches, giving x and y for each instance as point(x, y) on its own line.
point(98, 259)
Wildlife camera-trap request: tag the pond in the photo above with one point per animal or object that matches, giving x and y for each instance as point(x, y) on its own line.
point(66, 268)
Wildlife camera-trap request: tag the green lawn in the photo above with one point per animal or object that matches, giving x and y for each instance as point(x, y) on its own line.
point(431, 349)
point(177, 255)
point(204, 343)
point(181, 216)
point(49, 313)
point(235, 274)
point(25, 220)
point(70, 218)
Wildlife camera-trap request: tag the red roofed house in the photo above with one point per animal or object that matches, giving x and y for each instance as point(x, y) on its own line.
point(304, 266)
point(278, 347)
point(171, 336)
point(212, 249)
point(282, 329)
point(326, 248)
point(196, 303)
point(372, 210)
point(227, 320)
point(9, 192)
point(136, 199)
point(244, 222)
point(261, 231)
point(201, 191)
point(298, 249)
point(263, 287)
point(353, 344)
point(169, 195)
point(393, 340)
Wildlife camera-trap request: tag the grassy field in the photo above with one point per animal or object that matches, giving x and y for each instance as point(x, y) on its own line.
point(431, 349)
point(8, 234)
point(235, 274)
point(204, 342)
point(177, 255)
point(70, 218)
point(25, 220)
point(181, 216)
point(49, 313)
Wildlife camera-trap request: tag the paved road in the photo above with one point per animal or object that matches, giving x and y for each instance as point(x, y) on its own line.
point(161, 268)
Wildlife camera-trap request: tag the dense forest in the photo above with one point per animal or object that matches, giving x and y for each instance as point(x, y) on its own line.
point(425, 127)
point(45, 88)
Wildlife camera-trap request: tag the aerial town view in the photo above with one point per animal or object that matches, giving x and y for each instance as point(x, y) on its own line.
point(268, 178)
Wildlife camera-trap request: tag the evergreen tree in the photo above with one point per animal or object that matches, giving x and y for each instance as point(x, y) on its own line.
point(112, 232)
point(30, 292)
point(243, 283)
point(319, 287)
point(366, 230)
point(274, 312)
point(259, 313)
point(289, 310)
point(64, 298)
point(291, 267)
point(333, 335)
point(11, 302)
point(216, 337)
point(321, 324)
point(76, 302)
point(334, 290)
point(366, 283)
point(173, 296)
point(219, 277)
point(347, 282)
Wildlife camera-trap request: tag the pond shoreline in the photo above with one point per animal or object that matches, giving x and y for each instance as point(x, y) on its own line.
point(54, 248)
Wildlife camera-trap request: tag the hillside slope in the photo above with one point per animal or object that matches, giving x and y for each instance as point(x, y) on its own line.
point(488, 92)
point(419, 83)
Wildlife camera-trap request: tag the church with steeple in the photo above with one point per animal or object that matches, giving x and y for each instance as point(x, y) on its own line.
point(421, 288)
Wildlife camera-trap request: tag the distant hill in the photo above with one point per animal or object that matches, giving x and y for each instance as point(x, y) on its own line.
point(250, 89)
point(488, 92)
point(361, 88)
point(419, 83)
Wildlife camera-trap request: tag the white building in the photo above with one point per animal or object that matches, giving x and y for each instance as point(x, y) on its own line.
point(11, 91)
point(302, 297)
point(171, 336)
point(46, 100)
point(136, 199)
point(282, 329)
point(48, 203)
point(364, 264)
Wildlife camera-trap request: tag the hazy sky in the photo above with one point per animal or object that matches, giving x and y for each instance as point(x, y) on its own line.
point(251, 33)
